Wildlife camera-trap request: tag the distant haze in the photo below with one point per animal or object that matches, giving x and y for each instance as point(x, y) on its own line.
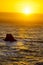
point(21, 18)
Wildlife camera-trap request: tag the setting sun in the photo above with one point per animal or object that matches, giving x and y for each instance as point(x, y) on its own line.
point(27, 11)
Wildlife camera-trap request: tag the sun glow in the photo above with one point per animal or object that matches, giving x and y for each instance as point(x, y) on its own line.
point(27, 10)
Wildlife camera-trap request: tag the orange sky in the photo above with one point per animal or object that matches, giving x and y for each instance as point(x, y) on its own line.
point(24, 11)
point(34, 6)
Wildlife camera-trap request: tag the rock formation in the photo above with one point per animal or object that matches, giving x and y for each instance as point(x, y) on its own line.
point(10, 38)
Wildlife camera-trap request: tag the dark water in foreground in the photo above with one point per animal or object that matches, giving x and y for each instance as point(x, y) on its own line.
point(26, 51)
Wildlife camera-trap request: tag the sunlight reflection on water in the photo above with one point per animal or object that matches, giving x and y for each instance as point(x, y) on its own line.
point(26, 51)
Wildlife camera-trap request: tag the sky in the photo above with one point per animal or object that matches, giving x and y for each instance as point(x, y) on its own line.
point(21, 6)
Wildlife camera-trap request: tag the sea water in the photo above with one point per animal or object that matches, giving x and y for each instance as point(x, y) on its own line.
point(27, 50)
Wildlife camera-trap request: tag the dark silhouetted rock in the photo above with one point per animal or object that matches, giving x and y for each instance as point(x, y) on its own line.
point(10, 38)
point(39, 63)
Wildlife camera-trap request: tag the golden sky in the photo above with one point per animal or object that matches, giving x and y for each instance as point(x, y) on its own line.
point(20, 6)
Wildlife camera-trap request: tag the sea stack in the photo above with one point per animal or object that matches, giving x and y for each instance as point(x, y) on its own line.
point(39, 63)
point(10, 38)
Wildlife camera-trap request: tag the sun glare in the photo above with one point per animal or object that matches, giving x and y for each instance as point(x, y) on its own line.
point(27, 11)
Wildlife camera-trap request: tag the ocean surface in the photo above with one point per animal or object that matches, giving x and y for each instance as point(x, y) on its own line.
point(27, 50)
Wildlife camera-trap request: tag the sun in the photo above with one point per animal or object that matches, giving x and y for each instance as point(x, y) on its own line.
point(27, 10)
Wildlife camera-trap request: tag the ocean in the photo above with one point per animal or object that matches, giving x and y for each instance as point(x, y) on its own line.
point(27, 50)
